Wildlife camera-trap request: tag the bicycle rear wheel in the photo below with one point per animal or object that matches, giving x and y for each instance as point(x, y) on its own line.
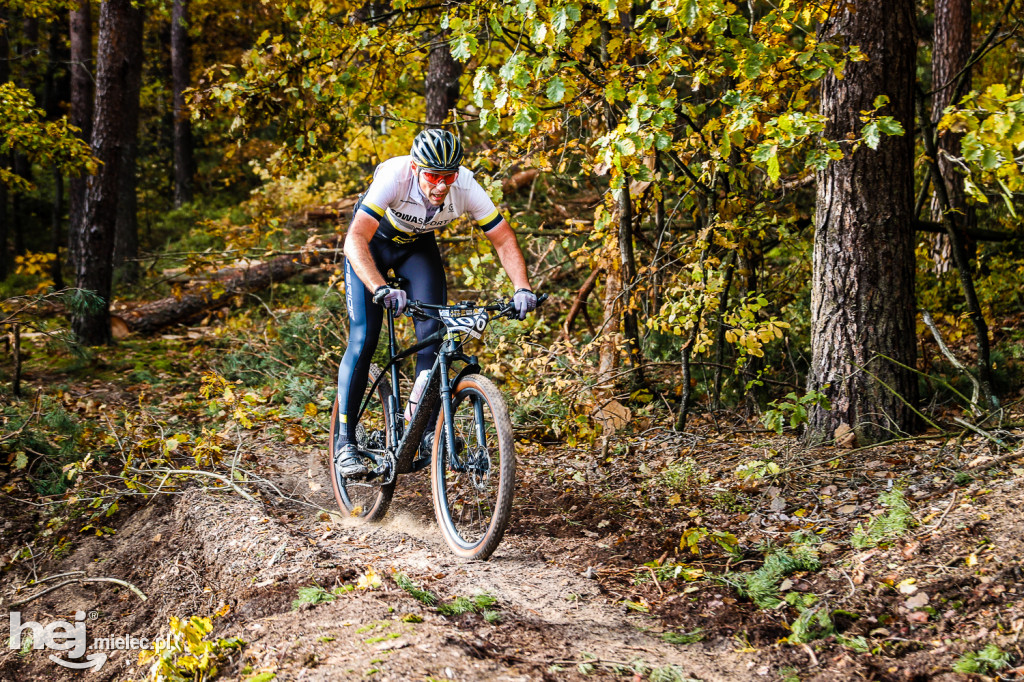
point(366, 500)
point(472, 491)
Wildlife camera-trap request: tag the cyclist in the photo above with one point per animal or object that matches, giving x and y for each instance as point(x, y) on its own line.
point(393, 228)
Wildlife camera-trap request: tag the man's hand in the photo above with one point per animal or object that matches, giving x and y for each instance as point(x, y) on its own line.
point(524, 301)
point(393, 298)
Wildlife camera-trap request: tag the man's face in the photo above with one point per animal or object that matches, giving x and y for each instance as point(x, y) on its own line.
point(434, 192)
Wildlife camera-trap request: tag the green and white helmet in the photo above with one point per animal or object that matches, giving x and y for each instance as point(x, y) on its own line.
point(437, 150)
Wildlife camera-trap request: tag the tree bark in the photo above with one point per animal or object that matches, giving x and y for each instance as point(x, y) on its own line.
point(5, 75)
point(92, 244)
point(862, 296)
point(630, 327)
point(951, 50)
point(80, 114)
point(57, 91)
point(442, 81)
point(181, 65)
point(126, 231)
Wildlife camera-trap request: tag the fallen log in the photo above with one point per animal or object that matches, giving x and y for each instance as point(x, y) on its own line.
point(151, 317)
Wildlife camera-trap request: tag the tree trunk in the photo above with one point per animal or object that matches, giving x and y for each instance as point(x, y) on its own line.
point(950, 51)
point(126, 232)
point(862, 295)
point(627, 259)
point(181, 64)
point(92, 244)
point(57, 91)
point(5, 75)
point(80, 114)
point(442, 81)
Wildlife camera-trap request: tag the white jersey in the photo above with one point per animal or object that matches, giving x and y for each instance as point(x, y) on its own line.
point(396, 194)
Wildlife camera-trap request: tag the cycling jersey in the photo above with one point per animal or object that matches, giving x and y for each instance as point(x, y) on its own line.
point(395, 194)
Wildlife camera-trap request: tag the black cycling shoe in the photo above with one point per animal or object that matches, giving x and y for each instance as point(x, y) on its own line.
point(350, 463)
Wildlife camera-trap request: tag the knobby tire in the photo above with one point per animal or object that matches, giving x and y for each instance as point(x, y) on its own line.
point(473, 507)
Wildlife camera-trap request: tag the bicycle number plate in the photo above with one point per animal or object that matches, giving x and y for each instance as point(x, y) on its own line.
point(466, 321)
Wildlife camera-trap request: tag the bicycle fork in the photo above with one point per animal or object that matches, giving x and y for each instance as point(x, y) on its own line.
point(393, 400)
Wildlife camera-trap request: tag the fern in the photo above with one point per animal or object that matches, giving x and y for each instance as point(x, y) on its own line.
point(889, 525)
point(991, 659)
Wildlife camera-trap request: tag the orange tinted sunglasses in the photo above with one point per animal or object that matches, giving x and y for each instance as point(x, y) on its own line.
point(436, 178)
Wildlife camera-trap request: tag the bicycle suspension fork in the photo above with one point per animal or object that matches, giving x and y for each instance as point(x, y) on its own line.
point(393, 412)
point(446, 403)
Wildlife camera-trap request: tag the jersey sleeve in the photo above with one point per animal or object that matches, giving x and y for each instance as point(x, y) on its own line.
point(380, 194)
point(480, 207)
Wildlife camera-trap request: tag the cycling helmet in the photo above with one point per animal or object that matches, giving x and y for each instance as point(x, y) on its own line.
point(437, 150)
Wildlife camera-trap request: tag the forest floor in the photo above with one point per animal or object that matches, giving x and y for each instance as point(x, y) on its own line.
point(653, 561)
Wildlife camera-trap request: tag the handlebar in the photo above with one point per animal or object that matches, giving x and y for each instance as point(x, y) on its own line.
point(503, 308)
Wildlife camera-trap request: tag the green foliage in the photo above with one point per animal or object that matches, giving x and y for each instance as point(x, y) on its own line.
point(889, 526)
point(992, 125)
point(50, 143)
point(691, 637)
point(461, 605)
point(314, 595)
point(794, 408)
point(988, 661)
point(424, 596)
point(683, 476)
point(762, 586)
point(812, 624)
point(756, 469)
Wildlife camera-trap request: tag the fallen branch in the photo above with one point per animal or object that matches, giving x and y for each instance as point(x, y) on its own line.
point(123, 583)
point(151, 317)
point(930, 323)
point(580, 302)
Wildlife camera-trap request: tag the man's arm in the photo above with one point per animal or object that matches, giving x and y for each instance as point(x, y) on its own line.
point(357, 250)
point(503, 238)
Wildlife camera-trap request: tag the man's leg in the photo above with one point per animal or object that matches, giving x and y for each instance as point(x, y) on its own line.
point(365, 318)
point(424, 270)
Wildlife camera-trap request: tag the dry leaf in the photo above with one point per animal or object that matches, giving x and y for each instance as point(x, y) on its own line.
point(917, 601)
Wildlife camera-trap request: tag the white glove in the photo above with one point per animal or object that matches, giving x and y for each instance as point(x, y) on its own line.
point(524, 301)
point(390, 298)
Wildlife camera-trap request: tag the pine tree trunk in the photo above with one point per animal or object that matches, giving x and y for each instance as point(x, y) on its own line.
point(950, 51)
point(126, 232)
point(92, 244)
point(58, 86)
point(442, 81)
point(5, 75)
point(80, 114)
point(862, 297)
point(181, 64)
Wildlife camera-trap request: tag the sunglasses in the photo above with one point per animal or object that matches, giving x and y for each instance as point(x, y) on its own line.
point(436, 178)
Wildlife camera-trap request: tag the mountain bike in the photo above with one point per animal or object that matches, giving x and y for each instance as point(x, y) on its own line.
point(472, 462)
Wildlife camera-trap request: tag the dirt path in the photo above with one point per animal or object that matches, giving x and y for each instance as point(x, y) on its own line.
point(202, 554)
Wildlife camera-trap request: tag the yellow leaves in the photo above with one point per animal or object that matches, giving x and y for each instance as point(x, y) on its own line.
point(369, 580)
point(310, 410)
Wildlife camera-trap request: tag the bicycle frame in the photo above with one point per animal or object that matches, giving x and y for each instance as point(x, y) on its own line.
point(399, 459)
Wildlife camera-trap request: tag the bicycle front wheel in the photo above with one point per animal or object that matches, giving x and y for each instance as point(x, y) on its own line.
point(472, 489)
point(366, 500)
